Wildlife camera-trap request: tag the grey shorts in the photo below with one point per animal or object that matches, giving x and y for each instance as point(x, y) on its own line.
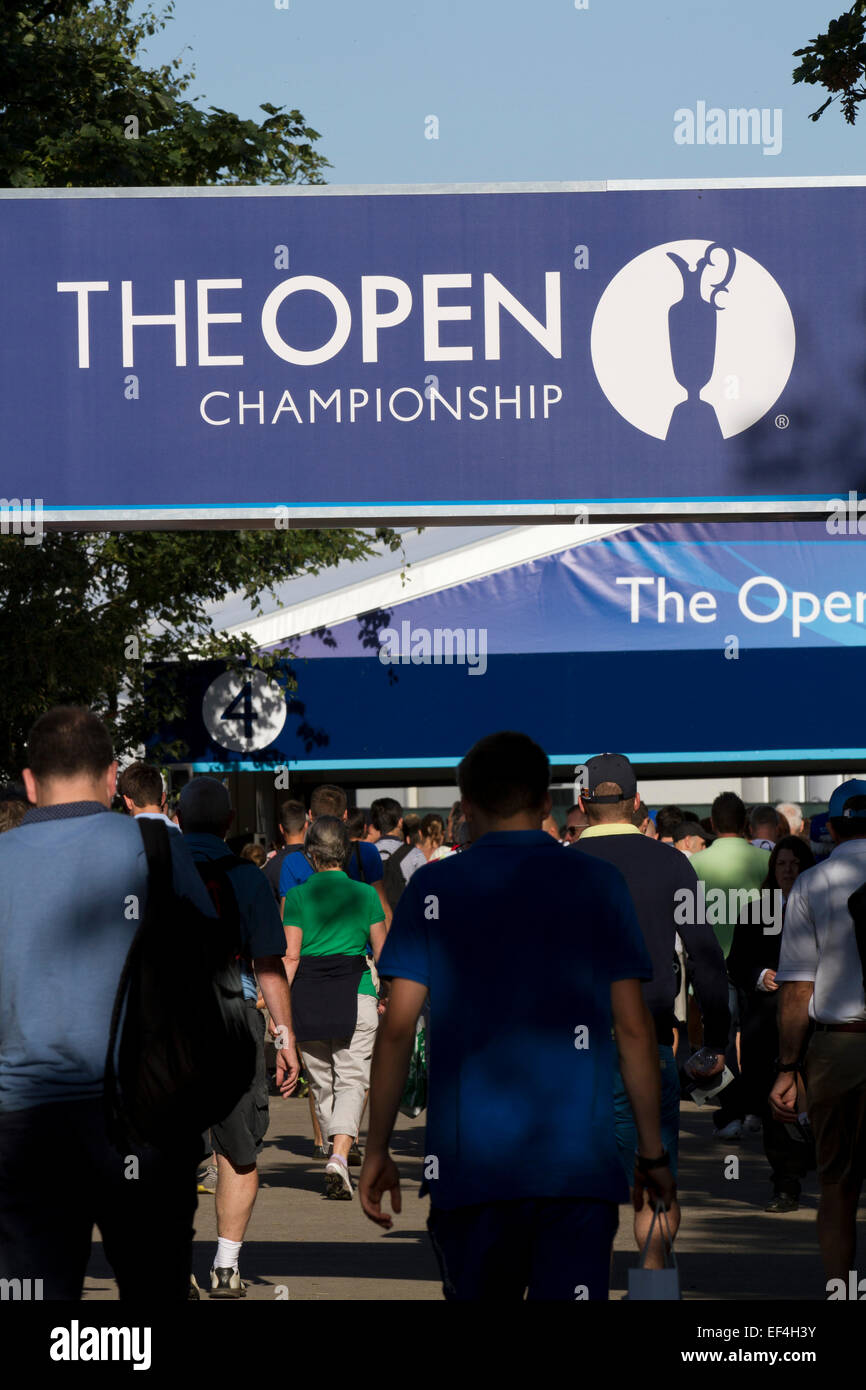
point(241, 1135)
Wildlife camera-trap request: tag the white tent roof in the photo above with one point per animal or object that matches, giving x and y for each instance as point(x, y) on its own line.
point(436, 559)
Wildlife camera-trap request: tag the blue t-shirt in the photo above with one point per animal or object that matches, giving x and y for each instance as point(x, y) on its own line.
point(518, 945)
point(73, 889)
point(297, 868)
point(261, 929)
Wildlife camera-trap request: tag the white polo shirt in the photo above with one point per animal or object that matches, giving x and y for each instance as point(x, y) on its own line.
point(818, 940)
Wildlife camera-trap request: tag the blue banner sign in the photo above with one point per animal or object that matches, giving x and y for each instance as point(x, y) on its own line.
point(713, 644)
point(275, 356)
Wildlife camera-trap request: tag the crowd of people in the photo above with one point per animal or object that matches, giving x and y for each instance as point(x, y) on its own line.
point(721, 958)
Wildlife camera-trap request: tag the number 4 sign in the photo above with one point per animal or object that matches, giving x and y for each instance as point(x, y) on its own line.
point(244, 711)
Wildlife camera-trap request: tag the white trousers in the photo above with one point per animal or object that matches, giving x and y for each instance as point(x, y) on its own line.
point(339, 1071)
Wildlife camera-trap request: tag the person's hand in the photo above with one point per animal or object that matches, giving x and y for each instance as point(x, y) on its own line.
point(658, 1185)
point(288, 1069)
point(783, 1097)
point(702, 1073)
point(379, 1175)
point(716, 1069)
point(769, 981)
point(381, 1006)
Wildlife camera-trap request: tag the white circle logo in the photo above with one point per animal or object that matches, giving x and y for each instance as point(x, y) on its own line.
point(690, 328)
point(243, 710)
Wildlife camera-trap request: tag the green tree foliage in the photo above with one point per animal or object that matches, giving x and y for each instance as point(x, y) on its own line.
point(90, 619)
point(72, 74)
point(836, 61)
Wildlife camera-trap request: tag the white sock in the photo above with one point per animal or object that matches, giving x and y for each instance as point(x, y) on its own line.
point(227, 1252)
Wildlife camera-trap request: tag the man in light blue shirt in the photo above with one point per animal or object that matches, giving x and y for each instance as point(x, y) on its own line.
point(73, 888)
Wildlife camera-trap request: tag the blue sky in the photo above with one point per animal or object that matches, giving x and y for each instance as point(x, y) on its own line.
point(522, 89)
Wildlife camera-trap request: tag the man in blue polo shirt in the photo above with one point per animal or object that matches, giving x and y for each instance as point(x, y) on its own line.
point(532, 959)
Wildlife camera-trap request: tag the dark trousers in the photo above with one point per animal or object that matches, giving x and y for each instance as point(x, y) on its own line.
point(731, 1100)
point(60, 1176)
point(548, 1249)
point(790, 1157)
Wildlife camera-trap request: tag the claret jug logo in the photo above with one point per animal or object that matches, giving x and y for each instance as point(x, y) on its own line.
point(693, 339)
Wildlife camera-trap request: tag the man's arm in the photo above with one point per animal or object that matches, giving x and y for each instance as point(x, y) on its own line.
point(798, 966)
point(639, 1064)
point(390, 1067)
point(292, 958)
point(709, 975)
point(386, 906)
point(274, 986)
point(794, 996)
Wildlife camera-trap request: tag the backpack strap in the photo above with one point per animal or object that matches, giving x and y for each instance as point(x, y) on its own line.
point(359, 861)
point(400, 854)
point(157, 851)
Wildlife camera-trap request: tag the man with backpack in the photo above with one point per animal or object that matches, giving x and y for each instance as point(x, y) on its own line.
point(242, 892)
point(73, 893)
point(292, 824)
point(399, 858)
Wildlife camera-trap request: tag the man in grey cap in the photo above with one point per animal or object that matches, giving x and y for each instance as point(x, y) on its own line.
point(658, 877)
point(821, 979)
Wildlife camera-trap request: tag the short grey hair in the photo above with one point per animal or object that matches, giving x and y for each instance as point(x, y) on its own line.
point(793, 815)
point(204, 807)
point(327, 843)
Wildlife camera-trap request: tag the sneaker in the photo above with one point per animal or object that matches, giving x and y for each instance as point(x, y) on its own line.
point(338, 1184)
point(321, 1150)
point(783, 1201)
point(194, 1291)
point(227, 1283)
point(356, 1158)
point(753, 1124)
point(206, 1179)
point(732, 1131)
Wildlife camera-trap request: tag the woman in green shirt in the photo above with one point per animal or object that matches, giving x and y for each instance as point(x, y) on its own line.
point(328, 920)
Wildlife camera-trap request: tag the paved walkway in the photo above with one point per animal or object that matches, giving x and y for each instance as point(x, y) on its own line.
point(303, 1247)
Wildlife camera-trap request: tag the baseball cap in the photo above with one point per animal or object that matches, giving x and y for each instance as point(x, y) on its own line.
point(610, 767)
point(692, 827)
point(845, 793)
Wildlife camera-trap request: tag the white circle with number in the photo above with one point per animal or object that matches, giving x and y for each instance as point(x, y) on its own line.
point(243, 710)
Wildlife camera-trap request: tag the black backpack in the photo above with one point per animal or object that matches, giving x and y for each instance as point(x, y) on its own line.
point(392, 875)
point(186, 1054)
